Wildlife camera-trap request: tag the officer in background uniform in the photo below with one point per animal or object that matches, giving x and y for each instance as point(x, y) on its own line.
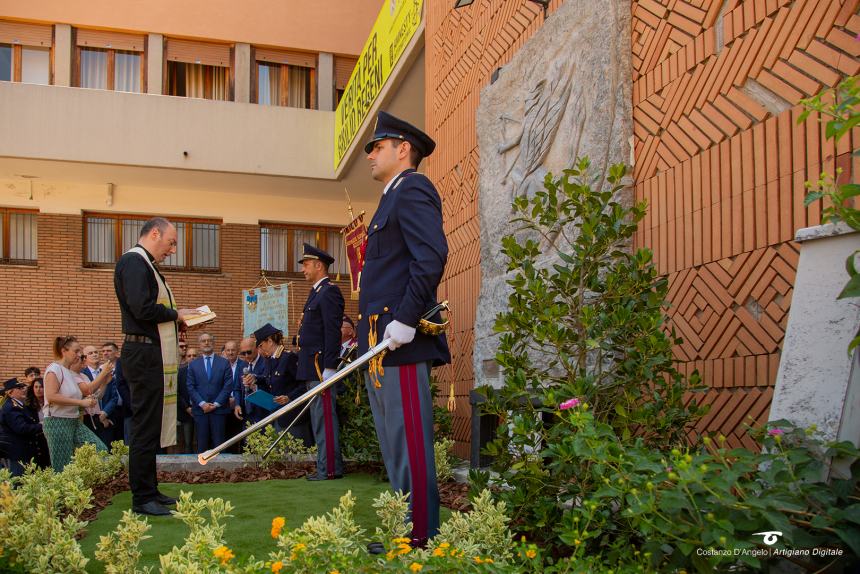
point(319, 355)
point(279, 378)
point(20, 427)
point(404, 261)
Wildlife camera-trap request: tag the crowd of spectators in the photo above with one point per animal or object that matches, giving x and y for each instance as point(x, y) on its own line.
point(83, 398)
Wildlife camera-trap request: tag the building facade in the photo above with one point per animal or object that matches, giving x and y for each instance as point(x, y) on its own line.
point(214, 114)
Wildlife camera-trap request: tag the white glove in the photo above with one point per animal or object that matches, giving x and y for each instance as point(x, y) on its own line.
point(328, 373)
point(399, 333)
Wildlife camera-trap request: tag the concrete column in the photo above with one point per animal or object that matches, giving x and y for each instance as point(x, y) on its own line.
point(325, 82)
point(818, 382)
point(242, 73)
point(155, 64)
point(62, 55)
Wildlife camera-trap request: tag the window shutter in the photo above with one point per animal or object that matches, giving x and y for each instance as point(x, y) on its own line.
point(343, 67)
point(113, 40)
point(291, 57)
point(25, 34)
point(205, 53)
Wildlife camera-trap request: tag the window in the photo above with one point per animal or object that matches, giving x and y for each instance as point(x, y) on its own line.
point(18, 236)
point(198, 70)
point(109, 60)
point(25, 53)
point(25, 64)
point(107, 236)
point(281, 247)
point(343, 67)
point(285, 78)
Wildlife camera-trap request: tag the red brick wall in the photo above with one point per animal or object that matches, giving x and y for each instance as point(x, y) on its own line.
point(60, 296)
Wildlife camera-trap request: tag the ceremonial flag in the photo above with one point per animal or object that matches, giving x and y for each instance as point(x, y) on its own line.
point(355, 242)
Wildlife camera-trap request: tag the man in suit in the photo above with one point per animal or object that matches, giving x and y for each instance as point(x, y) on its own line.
point(405, 257)
point(233, 423)
point(319, 355)
point(209, 386)
point(248, 382)
point(112, 404)
point(91, 368)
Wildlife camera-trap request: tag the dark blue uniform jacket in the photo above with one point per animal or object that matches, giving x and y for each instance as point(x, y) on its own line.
point(404, 261)
point(319, 333)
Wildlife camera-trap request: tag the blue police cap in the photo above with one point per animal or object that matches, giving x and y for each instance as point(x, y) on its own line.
point(311, 252)
point(265, 332)
point(390, 127)
point(12, 384)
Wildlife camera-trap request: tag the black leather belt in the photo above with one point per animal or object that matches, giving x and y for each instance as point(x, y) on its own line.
point(139, 339)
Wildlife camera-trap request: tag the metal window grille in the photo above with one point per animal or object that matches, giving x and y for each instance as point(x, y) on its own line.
point(19, 238)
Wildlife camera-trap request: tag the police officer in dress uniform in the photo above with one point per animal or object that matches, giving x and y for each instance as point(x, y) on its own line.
point(319, 355)
point(20, 426)
point(404, 260)
point(279, 378)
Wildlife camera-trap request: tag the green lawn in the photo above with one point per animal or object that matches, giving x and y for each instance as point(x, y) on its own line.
point(255, 504)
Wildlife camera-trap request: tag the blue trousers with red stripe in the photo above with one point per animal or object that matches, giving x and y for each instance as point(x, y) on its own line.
point(326, 433)
point(403, 414)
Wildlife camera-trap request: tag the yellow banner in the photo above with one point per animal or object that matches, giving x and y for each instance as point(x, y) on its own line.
point(396, 24)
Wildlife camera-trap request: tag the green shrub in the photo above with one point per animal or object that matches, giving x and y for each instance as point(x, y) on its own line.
point(288, 448)
point(585, 319)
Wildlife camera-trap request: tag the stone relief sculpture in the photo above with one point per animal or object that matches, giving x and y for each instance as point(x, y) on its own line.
point(565, 93)
point(543, 110)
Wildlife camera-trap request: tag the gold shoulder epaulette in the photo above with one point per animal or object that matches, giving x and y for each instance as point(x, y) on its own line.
point(278, 351)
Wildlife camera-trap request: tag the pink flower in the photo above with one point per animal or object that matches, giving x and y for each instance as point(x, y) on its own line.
point(776, 432)
point(668, 469)
point(569, 404)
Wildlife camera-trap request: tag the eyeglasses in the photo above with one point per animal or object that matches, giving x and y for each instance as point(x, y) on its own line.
point(243, 353)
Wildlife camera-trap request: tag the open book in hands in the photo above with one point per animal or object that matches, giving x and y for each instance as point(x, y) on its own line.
point(204, 315)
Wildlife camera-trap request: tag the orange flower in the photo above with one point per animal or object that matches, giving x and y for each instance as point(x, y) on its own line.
point(531, 553)
point(277, 525)
point(276, 567)
point(224, 554)
point(415, 567)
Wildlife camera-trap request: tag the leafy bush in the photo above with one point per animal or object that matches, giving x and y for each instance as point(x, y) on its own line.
point(639, 505)
point(444, 466)
point(39, 511)
point(585, 319)
point(119, 551)
point(288, 448)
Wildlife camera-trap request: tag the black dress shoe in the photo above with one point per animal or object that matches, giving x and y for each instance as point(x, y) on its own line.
point(318, 477)
point(375, 548)
point(151, 508)
point(165, 500)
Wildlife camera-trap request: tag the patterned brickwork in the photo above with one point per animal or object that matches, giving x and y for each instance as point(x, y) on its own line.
point(464, 47)
point(719, 157)
point(722, 162)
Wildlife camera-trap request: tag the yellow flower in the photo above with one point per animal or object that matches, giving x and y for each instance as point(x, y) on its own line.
point(438, 552)
point(488, 560)
point(415, 567)
point(276, 567)
point(403, 548)
point(223, 553)
point(334, 572)
point(401, 540)
point(390, 555)
point(531, 553)
point(444, 545)
point(277, 525)
point(299, 547)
